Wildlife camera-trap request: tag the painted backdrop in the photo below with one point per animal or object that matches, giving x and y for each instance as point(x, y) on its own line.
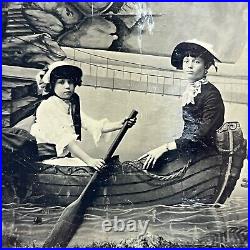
point(152, 28)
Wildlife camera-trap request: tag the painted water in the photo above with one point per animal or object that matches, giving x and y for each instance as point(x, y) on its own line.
point(159, 121)
point(28, 225)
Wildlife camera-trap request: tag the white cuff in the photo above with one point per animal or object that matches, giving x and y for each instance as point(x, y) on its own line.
point(96, 131)
point(172, 145)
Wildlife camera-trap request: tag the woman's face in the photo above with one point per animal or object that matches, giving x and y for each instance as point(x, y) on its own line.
point(64, 88)
point(194, 68)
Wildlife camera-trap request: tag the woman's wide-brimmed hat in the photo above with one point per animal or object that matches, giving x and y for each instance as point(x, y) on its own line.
point(59, 69)
point(193, 46)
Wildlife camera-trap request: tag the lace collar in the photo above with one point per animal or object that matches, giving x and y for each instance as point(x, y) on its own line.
point(192, 90)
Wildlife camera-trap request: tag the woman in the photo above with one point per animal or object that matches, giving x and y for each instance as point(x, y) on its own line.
point(59, 120)
point(202, 105)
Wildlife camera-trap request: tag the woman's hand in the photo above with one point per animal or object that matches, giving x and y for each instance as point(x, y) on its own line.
point(97, 164)
point(153, 155)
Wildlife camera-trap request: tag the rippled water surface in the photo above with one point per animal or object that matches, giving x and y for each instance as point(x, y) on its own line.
point(30, 224)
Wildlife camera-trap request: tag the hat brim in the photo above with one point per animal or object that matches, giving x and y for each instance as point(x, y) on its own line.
point(67, 71)
point(62, 68)
point(180, 50)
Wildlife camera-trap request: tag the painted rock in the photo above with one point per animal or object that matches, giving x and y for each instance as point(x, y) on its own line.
point(32, 51)
point(65, 12)
point(91, 8)
point(41, 21)
point(93, 32)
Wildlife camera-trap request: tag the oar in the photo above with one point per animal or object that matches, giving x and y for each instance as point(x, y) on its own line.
point(72, 216)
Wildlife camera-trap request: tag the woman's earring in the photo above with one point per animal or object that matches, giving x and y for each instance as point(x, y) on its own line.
point(206, 71)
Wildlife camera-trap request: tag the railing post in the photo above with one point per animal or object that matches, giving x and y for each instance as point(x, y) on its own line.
point(96, 76)
point(90, 64)
point(107, 68)
point(147, 86)
point(113, 80)
point(130, 83)
point(164, 82)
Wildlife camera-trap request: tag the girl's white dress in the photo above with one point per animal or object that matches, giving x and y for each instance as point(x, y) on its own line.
point(54, 125)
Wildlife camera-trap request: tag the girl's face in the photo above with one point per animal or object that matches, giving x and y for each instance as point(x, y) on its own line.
point(194, 68)
point(64, 88)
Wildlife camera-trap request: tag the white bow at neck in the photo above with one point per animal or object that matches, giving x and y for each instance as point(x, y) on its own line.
point(192, 90)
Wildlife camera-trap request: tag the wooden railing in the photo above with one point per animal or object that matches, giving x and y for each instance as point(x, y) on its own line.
point(19, 91)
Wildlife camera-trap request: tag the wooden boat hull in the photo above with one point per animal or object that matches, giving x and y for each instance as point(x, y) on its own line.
point(125, 185)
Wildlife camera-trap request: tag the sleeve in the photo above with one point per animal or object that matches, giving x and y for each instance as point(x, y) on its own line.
point(94, 127)
point(212, 118)
point(54, 126)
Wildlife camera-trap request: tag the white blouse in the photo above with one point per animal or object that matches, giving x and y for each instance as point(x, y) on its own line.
point(54, 125)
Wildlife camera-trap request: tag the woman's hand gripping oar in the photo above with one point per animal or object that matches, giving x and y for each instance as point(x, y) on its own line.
point(72, 216)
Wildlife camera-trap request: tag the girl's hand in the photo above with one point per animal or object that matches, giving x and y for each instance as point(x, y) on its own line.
point(112, 126)
point(152, 156)
point(97, 164)
point(130, 122)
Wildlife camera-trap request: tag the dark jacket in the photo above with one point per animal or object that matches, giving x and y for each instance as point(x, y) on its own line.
point(201, 120)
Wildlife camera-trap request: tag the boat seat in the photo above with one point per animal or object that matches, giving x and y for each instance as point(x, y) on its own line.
point(65, 161)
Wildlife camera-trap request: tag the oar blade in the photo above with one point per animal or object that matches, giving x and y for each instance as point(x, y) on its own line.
point(69, 221)
point(61, 234)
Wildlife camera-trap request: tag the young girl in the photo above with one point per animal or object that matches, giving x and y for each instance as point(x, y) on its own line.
point(59, 118)
point(202, 105)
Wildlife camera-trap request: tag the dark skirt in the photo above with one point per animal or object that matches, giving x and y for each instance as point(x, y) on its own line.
point(18, 145)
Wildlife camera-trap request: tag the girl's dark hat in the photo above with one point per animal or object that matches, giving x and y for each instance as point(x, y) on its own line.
point(58, 68)
point(195, 46)
point(66, 72)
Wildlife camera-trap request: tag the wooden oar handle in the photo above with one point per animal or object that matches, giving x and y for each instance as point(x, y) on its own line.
point(119, 137)
point(110, 152)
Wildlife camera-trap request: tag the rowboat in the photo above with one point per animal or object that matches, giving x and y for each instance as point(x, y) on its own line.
point(209, 178)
